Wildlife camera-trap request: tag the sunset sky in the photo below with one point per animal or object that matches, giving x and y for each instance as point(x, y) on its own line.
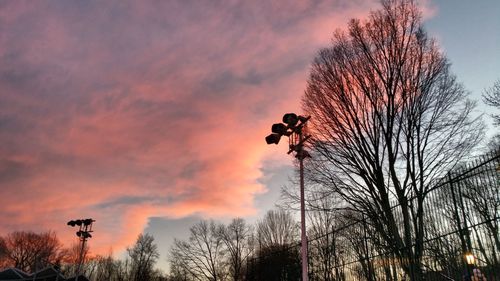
point(149, 115)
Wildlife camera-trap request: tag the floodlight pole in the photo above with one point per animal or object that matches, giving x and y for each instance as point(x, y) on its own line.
point(294, 131)
point(83, 240)
point(303, 241)
point(85, 228)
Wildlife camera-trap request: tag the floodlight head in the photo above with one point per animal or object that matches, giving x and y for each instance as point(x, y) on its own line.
point(78, 222)
point(79, 233)
point(303, 119)
point(291, 119)
point(87, 221)
point(273, 138)
point(72, 223)
point(279, 128)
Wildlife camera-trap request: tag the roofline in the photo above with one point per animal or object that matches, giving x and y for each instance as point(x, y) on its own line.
point(17, 271)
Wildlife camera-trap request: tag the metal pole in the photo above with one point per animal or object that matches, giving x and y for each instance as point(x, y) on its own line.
point(292, 130)
point(305, 276)
point(80, 258)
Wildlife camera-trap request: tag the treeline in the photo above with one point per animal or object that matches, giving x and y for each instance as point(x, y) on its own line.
point(390, 197)
point(213, 251)
point(239, 251)
point(345, 243)
point(31, 252)
point(270, 249)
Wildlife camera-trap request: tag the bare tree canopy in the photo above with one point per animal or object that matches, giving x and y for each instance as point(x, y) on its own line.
point(143, 256)
point(492, 97)
point(277, 228)
point(30, 251)
point(388, 119)
point(201, 257)
point(4, 261)
point(238, 238)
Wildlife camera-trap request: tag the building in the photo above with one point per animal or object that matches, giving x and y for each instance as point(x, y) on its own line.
point(46, 274)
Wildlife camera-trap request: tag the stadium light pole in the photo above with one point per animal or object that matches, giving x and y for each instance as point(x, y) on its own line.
point(83, 233)
point(292, 127)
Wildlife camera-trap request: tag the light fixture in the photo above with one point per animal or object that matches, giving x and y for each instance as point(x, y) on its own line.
point(273, 138)
point(279, 128)
point(297, 139)
point(83, 233)
point(291, 119)
point(470, 259)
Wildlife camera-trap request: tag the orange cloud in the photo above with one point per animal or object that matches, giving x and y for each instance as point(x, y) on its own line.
point(124, 111)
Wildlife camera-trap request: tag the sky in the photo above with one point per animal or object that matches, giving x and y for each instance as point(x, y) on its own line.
point(150, 115)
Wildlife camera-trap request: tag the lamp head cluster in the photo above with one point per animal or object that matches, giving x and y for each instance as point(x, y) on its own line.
point(84, 222)
point(85, 227)
point(292, 127)
point(292, 123)
point(83, 234)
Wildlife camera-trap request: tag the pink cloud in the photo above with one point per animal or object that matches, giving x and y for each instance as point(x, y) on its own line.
point(125, 111)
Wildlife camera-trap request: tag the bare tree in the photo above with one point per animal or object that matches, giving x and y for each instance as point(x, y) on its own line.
point(4, 253)
point(31, 251)
point(277, 228)
point(322, 221)
point(105, 268)
point(121, 270)
point(388, 119)
point(492, 97)
point(99, 267)
point(178, 272)
point(238, 238)
point(143, 256)
point(277, 256)
point(72, 258)
point(201, 257)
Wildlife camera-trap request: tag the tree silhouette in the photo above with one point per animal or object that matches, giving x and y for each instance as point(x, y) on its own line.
point(143, 256)
point(201, 257)
point(31, 251)
point(492, 97)
point(276, 228)
point(238, 239)
point(388, 118)
point(275, 263)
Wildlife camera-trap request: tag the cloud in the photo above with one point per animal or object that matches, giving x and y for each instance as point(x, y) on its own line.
point(123, 111)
